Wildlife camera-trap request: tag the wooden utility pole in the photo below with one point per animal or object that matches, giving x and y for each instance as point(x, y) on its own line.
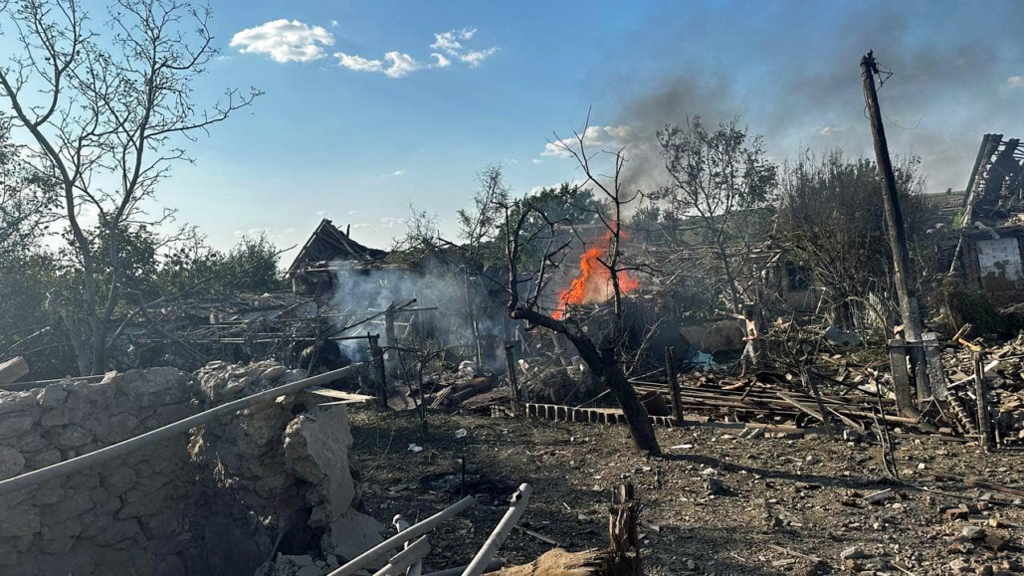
point(897, 234)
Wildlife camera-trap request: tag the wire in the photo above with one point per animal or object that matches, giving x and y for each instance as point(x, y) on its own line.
point(884, 74)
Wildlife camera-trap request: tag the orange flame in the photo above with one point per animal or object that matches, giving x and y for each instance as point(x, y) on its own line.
point(594, 283)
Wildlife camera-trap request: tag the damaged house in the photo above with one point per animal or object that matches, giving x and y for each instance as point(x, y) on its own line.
point(990, 220)
point(311, 272)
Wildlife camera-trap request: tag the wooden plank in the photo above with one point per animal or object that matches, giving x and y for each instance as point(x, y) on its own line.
point(900, 374)
point(802, 407)
point(11, 370)
point(933, 361)
point(808, 381)
point(338, 394)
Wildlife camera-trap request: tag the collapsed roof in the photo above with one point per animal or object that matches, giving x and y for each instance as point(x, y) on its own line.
point(328, 244)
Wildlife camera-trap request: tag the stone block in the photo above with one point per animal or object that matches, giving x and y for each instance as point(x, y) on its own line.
point(49, 492)
point(273, 373)
point(11, 462)
point(352, 534)
point(119, 531)
point(52, 396)
point(154, 386)
point(16, 401)
point(171, 413)
point(117, 428)
point(74, 504)
point(58, 537)
point(54, 417)
point(68, 437)
point(77, 562)
point(15, 424)
point(118, 481)
point(31, 442)
point(44, 459)
point(21, 520)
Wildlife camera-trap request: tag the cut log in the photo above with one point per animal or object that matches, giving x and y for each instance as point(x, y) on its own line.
point(558, 562)
point(11, 370)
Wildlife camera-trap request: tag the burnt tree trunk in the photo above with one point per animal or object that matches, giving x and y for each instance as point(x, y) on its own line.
point(605, 367)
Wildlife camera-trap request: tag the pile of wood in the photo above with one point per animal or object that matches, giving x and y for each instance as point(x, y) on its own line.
point(1001, 371)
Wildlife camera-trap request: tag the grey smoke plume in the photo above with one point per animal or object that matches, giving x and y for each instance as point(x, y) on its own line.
point(791, 72)
point(361, 293)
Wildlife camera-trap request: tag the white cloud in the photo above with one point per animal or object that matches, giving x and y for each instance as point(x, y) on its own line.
point(284, 41)
point(450, 43)
point(383, 223)
point(358, 63)
point(1015, 81)
point(830, 130)
point(394, 64)
point(538, 161)
point(538, 189)
point(442, 62)
point(393, 222)
point(395, 173)
point(594, 138)
point(475, 57)
point(401, 64)
point(334, 23)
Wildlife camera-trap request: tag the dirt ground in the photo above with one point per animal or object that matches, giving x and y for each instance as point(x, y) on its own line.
point(779, 498)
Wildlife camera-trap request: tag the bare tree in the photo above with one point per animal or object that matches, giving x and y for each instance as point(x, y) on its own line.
point(603, 358)
point(109, 110)
point(721, 185)
point(479, 228)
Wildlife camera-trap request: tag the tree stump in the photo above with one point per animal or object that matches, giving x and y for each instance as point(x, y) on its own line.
point(622, 558)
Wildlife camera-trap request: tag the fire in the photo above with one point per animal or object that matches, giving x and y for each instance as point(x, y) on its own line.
point(594, 283)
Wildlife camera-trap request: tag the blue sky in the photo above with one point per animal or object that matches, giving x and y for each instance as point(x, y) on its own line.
point(359, 144)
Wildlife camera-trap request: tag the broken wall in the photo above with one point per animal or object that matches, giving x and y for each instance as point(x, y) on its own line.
point(283, 468)
point(221, 501)
point(127, 512)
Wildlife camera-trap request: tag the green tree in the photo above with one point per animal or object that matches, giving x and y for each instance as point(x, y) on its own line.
point(254, 265)
point(831, 219)
point(109, 110)
point(192, 268)
point(28, 199)
point(722, 187)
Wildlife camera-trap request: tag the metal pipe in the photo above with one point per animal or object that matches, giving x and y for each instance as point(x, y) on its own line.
point(401, 524)
point(413, 531)
point(492, 566)
point(520, 500)
point(401, 562)
point(22, 386)
point(121, 448)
